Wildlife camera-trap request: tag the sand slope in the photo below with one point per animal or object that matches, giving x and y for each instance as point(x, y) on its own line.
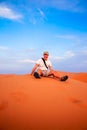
point(27, 103)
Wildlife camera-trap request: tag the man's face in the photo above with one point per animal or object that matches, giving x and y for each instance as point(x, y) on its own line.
point(45, 56)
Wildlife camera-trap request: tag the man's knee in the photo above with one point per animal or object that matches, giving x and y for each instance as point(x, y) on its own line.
point(52, 72)
point(39, 71)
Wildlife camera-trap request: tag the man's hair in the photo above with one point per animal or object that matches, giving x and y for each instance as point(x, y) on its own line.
point(45, 53)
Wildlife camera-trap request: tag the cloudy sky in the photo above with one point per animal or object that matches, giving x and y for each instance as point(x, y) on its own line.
point(29, 27)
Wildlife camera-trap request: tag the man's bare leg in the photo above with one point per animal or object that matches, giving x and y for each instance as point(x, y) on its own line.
point(55, 76)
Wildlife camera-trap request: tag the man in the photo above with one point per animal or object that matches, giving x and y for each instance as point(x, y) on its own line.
point(43, 67)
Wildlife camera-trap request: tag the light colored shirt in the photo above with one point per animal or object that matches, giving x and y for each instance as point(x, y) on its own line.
point(42, 65)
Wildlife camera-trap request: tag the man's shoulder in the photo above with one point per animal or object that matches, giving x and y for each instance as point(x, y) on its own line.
point(39, 60)
point(49, 62)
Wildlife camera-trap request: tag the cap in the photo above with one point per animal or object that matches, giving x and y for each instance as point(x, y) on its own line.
point(46, 52)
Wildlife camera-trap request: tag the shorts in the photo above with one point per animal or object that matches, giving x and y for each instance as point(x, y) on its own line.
point(45, 72)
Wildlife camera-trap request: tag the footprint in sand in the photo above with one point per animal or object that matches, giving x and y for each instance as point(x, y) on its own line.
point(3, 105)
point(78, 102)
point(19, 96)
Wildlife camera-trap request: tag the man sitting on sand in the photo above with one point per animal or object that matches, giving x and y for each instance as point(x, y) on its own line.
point(43, 67)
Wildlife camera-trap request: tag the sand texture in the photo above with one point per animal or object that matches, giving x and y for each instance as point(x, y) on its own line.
point(27, 103)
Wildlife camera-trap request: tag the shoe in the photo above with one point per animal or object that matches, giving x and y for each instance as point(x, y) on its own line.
point(36, 75)
point(64, 78)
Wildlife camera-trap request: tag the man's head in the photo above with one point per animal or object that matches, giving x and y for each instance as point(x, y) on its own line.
point(45, 55)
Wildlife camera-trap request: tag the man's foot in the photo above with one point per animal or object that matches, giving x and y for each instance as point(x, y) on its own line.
point(36, 75)
point(64, 78)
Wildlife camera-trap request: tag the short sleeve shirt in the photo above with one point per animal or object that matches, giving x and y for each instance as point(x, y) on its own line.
point(42, 65)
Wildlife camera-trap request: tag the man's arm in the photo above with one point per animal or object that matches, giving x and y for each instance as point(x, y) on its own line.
point(51, 68)
point(34, 68)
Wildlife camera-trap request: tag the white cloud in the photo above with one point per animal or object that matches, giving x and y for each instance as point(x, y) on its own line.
point(56, 58)
point(66, 36)
point(3, 48)
point(41, 13)
point(84, 52)
point(27, 61)
point(70, 5)
point(37, 15)
point(76, 40)
point(6, 12)
point(67, 55)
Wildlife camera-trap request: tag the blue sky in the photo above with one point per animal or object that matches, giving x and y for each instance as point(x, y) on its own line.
point(29, 27)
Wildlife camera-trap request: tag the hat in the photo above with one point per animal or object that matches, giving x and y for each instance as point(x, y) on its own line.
point(46, 52)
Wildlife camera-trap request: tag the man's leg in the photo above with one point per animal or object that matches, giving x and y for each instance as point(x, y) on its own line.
point(38, 73)
point(55, 75)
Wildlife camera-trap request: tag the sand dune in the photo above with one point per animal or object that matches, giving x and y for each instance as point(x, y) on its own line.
point(27, 103)
point(80, 76)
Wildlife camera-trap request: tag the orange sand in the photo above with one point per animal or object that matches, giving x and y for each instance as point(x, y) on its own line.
point(27, 103)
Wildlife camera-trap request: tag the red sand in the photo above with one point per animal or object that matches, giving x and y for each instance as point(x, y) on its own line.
point(27, 103)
